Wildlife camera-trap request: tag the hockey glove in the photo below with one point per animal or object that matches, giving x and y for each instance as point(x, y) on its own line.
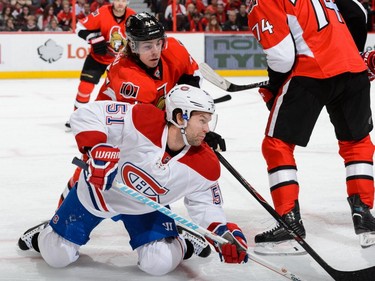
point(215, 141)
point(102, 165)
point(369, 59)
point(267, 96)
point(236, 250)
point(98, 45)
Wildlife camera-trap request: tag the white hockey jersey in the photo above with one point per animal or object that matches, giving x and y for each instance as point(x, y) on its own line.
point(140, 131)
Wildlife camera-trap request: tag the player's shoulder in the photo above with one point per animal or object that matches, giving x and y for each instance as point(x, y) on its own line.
point(150, 121)
point(129, 12)
point(203, 160)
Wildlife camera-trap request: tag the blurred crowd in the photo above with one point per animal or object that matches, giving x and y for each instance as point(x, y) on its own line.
point(191, 15)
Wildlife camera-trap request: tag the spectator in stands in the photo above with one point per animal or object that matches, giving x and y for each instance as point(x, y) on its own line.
point(212, 8)
point(21, 2)
point(233, 5)
point(242, 18)
point(180, 10)
point(57, 6)
point(45, 19)
point(17, 9)
point(190, 11)
point(6, 14)
point(97, 4)
point(231, 23)
point(21, 19)
point(9, 25)
point(65, 17)
point(85, 13)
point(30, 24)
point(206, 17)
point(53, 26)
point(198, 5)
point(79, 6)
point(196, 24)
point(221, 13)
point(213, 24)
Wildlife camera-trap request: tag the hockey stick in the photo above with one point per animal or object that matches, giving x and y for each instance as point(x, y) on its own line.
point(366, 274)
point(187, 223)
point(210, 75)
point(223, 99)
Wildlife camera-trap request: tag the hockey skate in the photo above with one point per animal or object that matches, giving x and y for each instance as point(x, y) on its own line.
point(195, 243)
point(278, 241)
point(29, 240)
point(364, 222)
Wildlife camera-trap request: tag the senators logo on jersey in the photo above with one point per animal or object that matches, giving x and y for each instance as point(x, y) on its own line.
point(129, 90)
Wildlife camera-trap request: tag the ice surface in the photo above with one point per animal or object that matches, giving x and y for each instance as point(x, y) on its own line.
point(35, 164)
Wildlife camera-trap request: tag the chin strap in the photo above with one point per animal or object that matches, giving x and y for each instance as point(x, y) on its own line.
point(182, 130)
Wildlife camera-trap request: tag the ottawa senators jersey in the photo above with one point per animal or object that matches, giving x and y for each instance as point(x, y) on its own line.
point(140, 132)
point(309, 37)
point(128, 82)
point(113, 31)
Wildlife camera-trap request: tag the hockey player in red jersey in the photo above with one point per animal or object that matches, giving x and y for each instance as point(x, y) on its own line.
point(149, 67)
point(104, 30)
point(313, 63)
point(162, 155)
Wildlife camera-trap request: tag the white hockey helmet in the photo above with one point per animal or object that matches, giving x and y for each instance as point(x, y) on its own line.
point(187, 98)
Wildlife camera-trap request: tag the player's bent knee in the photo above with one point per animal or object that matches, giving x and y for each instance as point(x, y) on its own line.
point(55, 250)
point(160, 257)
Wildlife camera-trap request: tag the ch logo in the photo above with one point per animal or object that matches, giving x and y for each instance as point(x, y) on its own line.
point(139, 180)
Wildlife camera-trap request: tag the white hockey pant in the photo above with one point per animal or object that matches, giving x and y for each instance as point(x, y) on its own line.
point(155, 258)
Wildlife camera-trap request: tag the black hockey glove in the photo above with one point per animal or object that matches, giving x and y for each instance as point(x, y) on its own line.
point(98, 45)
point(215, 141)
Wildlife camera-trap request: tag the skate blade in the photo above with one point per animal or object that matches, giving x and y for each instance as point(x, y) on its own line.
point(367, 239)
point(289, 247)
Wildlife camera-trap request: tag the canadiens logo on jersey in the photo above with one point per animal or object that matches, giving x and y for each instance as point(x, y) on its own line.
point(252, 4)
point(139, 180)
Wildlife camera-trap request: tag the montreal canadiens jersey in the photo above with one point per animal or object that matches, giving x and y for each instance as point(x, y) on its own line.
point(309, 36)
point(114, 32)
point(127, 82)
point(140, 132)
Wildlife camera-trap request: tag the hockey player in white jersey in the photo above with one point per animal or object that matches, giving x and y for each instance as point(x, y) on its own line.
point(161, 155)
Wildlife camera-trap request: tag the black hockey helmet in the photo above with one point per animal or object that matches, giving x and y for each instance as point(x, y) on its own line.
point(143, 27)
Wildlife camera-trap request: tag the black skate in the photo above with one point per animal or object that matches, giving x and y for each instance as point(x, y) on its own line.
point(278, 241)
point(195, 243)
point(364, 222)
point(29, 240)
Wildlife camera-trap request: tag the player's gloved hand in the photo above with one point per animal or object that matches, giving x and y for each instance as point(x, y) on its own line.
point(102, 165)
point(215, 141)
point(267, 96)
point(236, 250)
point(98, 45)
point(369, 59)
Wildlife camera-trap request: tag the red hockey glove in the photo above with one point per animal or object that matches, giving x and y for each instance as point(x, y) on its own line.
point(98, 45)
point(267, 96)
point(102, 165)
point(236, 250)
point(215, 141)
point(369, 59)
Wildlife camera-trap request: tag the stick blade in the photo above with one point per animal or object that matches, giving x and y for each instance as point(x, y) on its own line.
point(210, 75)
point(366, 274)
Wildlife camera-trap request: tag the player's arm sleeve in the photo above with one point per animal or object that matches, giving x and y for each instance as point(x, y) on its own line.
point(98, 122)
point(205, 206)
point(277, 43)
